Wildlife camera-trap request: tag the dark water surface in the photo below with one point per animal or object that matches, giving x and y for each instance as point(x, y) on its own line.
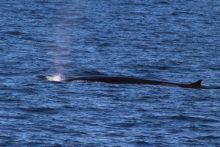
point(160, 40)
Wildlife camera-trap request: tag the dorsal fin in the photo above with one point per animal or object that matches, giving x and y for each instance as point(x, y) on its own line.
point(197, 84)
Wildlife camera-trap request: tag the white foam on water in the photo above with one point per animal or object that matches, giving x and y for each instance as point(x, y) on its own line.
point(56, 78)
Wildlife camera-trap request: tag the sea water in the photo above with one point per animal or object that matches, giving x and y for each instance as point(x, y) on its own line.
point(174, 41)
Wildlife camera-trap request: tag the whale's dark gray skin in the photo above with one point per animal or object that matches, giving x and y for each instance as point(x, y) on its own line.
point(131, 80)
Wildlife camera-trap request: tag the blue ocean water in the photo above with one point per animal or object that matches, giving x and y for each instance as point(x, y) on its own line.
point(175, 41)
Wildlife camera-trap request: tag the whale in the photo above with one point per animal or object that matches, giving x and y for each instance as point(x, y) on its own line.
point(133, 80)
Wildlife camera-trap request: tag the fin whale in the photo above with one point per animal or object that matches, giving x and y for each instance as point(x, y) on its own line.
point(131, 80)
